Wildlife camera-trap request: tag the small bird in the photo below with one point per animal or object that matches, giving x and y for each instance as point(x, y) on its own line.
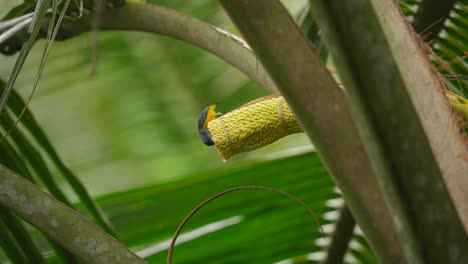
point(206, 116)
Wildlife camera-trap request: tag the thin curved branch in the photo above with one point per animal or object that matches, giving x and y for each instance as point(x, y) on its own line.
point(59, 222)
point(139, 16)
point(228, 191)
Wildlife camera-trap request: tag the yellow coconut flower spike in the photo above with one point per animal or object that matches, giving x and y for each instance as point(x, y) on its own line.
point(264, 121)
point(251, 126)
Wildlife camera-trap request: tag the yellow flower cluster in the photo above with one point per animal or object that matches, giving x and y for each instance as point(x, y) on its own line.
point(252, 126)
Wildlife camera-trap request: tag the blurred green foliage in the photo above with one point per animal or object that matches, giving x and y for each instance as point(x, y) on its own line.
point(134, 121)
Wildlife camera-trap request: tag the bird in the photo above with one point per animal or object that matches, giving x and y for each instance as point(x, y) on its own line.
point(206, 116)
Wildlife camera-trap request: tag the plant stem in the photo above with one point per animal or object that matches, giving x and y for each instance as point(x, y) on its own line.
point(61, 223)
point(35, 159)
point(140, 16)
point(445, 133)
point(339, 241)
point(11, 158)
point(382, 92)
point(16, 104)
point(321, 108)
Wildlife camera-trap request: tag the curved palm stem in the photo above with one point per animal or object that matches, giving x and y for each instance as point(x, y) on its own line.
point(140, 16)
point(61, 223)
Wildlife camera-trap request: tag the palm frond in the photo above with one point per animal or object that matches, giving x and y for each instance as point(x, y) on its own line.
point(37, 20)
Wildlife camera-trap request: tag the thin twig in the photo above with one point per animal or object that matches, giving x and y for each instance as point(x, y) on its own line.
point(214, 197)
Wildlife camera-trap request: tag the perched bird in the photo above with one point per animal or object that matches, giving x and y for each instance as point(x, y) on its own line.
point(206, 116)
